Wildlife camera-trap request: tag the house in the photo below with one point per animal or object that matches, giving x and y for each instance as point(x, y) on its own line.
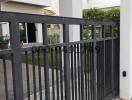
point(48, 7)
point(25, 6)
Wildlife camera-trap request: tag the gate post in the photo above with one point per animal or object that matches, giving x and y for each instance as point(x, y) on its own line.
point(126, 50)
point(16, 61)
point(82, 64)
point(94, 62)
point(66, 62)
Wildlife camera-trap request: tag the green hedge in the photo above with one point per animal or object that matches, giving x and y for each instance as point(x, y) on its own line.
point(100, 14)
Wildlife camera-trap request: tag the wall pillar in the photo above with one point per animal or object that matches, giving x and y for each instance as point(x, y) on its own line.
point(71, 8)
point(126, 50)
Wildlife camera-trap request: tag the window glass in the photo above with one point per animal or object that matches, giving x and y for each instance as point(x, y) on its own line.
point(22, 28)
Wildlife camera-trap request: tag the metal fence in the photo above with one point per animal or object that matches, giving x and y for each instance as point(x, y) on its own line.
point(79, 70)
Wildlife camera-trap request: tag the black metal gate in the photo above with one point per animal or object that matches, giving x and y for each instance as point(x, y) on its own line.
point(80, 70)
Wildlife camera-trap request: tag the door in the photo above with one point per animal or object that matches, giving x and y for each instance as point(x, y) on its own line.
point(31, 31)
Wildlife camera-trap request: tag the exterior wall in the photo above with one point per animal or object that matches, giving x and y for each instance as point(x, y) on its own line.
point(87, 4)
point(72, 8)
point(126, 50)
point(22, 8)
point(34, 2)
point(39, 33)
point(16, 7)
point(5, 28)
point(54, 7)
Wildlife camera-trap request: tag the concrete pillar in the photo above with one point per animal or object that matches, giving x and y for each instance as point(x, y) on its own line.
point(71, 8)
point(126, 50)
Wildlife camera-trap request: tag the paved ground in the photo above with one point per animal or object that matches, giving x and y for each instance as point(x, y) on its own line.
point(9, 78)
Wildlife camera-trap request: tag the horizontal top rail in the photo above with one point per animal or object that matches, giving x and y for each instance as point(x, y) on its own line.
point(33, 18)
point(29, 48)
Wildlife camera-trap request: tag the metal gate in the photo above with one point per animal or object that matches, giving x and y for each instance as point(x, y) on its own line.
point(80, 70)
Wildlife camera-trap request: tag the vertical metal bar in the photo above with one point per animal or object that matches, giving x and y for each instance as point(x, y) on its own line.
point(57, 75)
point(66, 62)
point(75, 70)
point(88, 52)
point(95, 61)
point(72, 73)
point(27, 74)
point(100, 61)
point(34, 74)
point(61, 72)
point(91, 71)
point(78, 60)
point(16, 61)
point(88, 65)
point(103, 32)
point(112, 52)
point(118, 56)
point(5, 78)
point(26, 33)
point(39, 74)
point(118, 29)
point(85, 57)
point(82, 64)
point(52, 64)
point(46, 64)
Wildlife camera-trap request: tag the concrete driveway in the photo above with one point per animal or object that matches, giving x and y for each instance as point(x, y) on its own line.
point(10, 82)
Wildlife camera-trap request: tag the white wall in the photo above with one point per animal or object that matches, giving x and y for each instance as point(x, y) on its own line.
point(34, 2)
point(100, 3)
point(22, 8)
point(72, 8)
point(39, 35)
point(54, 7)
point(5, 28)
point(126, 49)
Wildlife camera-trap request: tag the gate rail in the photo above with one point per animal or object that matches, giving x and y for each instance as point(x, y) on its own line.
point(86, 62)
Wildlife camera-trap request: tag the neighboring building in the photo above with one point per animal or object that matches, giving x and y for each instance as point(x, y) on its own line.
point(87, 4)
point(45, 7)
point(53, 29)
point(34, 31)
point(54, 8)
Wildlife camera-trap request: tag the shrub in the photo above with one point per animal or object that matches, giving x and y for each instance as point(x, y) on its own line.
point(100, 14)
point(93, 13)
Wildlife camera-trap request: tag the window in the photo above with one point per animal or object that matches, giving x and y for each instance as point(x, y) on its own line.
point(0, 29)
point(27, 32)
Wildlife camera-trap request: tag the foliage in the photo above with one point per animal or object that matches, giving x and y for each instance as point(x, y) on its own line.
point(54, 38)
point(113, 14)
point(4, 39)
point(100, 14)
point(87, 34)
point(93, 13)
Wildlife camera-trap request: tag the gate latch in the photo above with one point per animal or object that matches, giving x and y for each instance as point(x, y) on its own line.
point(124, 74)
